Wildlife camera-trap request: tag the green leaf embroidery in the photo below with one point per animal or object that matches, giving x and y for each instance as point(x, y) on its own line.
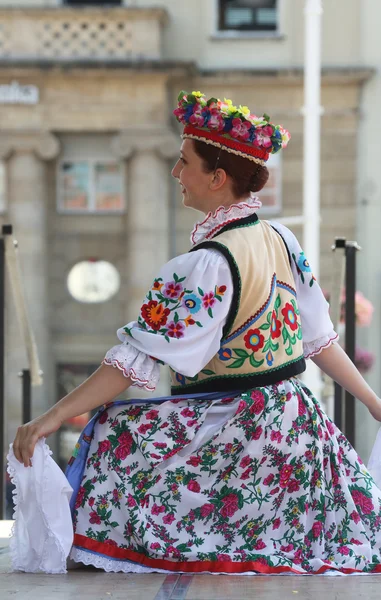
point(265, 326)
point(241, 353)
point(256, 363)
point(198, 324)
point(277, 302)
point(200, 292)
point(237, 364)
point(210, 313)
point(207, 372)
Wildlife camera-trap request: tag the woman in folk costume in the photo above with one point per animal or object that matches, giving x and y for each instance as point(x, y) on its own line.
point(240, 470)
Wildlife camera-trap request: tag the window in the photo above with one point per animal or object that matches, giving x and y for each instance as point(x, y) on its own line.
point(90, 186)
point(247, 15)
point(94, 2)
point(271, 195)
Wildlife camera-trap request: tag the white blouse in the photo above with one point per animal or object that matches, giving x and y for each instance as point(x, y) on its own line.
point(184, 312)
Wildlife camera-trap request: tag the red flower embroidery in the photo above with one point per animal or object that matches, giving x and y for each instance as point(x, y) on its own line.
point(176, 330)
point(194, 486)
point(290, 317)
point(230, 507)
point(362, 501)
point(269, 479)
point(259, 402)
point(104, 447)
point(208, 300)
point(154, 314)
point(206, 510)
point(317, 528)
point(103, 418)
point(94, 518)
point(285, 476)
point(275, 326)
point(152, 414)
point(254, 340)
point(195, 461)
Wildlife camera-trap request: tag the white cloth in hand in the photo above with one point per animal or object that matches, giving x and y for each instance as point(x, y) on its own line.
point(43, 530)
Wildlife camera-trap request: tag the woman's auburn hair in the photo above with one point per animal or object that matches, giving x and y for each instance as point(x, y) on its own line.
point(246, 175)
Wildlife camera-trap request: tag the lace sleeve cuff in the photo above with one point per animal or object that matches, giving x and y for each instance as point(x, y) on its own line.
point(143, 370)
point(313, 348)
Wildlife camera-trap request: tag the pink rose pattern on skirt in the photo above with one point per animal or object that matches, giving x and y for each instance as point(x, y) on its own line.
point(278, 484)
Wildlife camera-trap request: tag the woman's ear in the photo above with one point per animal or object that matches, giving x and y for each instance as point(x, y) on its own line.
point(218, 179)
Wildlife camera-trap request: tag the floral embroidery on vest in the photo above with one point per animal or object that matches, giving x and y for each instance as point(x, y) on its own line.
point(170, 307)
point(279, 321)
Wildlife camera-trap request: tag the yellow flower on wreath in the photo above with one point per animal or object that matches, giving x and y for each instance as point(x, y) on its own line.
point(198, 94)
point(244, 110)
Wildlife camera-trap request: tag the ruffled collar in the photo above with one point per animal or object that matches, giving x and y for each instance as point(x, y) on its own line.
point(213, 222)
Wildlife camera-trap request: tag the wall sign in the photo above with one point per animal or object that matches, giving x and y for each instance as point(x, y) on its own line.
point(14, 93)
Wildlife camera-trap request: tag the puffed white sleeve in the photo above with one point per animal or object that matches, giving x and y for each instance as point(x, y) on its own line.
point(317, 327)
point(181, 320)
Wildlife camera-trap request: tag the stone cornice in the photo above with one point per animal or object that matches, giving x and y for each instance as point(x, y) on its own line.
point(44, 144)
point(165, 143)
point(135, 67)
point(118, 12)
point(289, 75)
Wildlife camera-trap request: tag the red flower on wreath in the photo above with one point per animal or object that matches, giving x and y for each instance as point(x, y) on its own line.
point(154, 314)
point(254, 340)
point(290, 317)
point(275, 326)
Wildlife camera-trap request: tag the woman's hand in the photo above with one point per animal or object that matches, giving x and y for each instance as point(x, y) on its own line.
point(28, 435)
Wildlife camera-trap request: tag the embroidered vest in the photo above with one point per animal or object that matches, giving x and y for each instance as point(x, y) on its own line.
point(262, 338)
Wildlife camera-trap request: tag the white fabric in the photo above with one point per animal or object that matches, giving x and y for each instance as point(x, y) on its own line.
point(204, 230)
point(317, 327)
point(142, 370)
point(203, 269)
point(206, 269)
point(43, 530)
point(374, 465)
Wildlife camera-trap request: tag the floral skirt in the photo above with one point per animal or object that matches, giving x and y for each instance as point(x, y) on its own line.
point(263, 482)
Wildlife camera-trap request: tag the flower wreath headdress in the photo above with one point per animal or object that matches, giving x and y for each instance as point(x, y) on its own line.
point(229, 127)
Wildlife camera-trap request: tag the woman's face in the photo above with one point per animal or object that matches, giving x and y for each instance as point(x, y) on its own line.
point(195, 183)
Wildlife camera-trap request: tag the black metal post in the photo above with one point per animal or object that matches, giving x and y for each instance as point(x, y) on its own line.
point(350, 332)
point(26, 396)
point(338, 406)
point(6, 230)
point(340, 243)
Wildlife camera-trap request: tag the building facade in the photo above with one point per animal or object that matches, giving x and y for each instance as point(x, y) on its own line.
point(88, 140)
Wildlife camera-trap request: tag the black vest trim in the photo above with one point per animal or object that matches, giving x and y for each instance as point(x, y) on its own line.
point(226, 383)
point(237, 286)
point(245, 222)
point(284, 242)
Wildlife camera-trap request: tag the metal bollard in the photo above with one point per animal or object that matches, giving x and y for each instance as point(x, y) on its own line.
point(344, 411)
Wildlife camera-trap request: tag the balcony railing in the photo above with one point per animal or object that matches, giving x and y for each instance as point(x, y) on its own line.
point(86, 33)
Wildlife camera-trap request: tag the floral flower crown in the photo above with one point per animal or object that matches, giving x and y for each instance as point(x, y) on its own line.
point(233, 129)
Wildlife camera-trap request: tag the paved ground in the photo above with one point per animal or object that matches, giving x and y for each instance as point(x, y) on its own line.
point(90, 584)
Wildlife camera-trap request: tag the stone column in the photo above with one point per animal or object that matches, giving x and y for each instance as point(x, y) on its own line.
point(27, 212)
point(150, 157)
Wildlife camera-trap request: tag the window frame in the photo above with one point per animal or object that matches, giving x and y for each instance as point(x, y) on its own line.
point(3, 187)
point(277, 161)
point(92, 210)
point(242, 33)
